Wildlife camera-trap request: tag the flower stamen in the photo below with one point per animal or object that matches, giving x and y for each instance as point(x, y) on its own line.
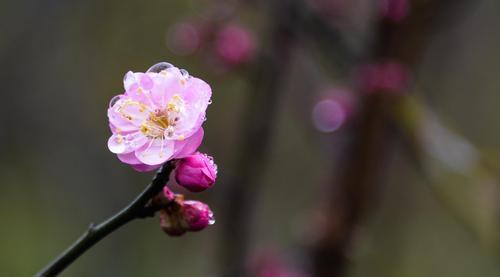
point(161, 123)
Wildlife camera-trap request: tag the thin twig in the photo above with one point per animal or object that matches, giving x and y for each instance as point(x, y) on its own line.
point(136, 209)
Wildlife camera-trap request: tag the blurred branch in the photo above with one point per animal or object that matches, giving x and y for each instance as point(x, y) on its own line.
point(455, 170)
point(359, 174)
point(259, 115)
point(329, 39)
point(138, 208)
point(373, 139)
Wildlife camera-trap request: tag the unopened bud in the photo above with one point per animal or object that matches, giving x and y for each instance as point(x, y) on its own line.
point(181, 216)
point(197, 215)
point(196, 172)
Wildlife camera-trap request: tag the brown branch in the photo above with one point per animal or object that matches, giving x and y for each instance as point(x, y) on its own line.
point(138, 208)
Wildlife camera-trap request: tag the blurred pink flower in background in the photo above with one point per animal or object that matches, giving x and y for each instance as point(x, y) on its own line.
point(185, 38)
point(394, 10)
point(333, 110)
point(158, 117)
point(196, 172)
point(388, 76)
point(234, 45)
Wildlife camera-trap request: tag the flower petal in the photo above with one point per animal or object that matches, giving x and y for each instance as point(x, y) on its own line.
point(122, 144)
point(129, 158)
point(145, 81)
point(145, 167)
point(196, 95)
point(130, 81)
point(135, 112)
point(118, 123)
point(197, 91)
point(116, 144)
point(155, 152)
point(167, 84)
point(190, 145)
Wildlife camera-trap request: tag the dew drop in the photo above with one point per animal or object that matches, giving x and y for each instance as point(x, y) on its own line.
point(157, 68)
point(210, 101)
point(127, 75)
point(114, 100)
point(211, 218)
point(184, 73)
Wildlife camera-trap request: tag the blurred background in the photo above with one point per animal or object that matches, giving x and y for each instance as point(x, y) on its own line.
point(353, 137)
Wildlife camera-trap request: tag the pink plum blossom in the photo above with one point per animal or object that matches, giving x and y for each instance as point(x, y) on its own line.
point(196, 172)
point(158, 117)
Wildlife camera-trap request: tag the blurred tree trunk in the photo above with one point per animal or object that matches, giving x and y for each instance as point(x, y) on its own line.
point(362, 166)
point(256, 129)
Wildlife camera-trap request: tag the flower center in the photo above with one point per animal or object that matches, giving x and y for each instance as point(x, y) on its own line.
point(162, 122)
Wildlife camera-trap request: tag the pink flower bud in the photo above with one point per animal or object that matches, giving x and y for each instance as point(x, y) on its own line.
point(234, 45)
point(168, 194)
point(164, 198)
point(196, 172)
point(197, 215)
point(180, 216)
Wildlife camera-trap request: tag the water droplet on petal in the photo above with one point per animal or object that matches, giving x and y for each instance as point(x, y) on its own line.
point(157, 68)
point(210, 101)
point(211, 218)
point(184, 73)
point(127, 75)
point(114, 100)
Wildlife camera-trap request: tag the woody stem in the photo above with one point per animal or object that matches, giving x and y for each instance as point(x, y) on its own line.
point(136, 209)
